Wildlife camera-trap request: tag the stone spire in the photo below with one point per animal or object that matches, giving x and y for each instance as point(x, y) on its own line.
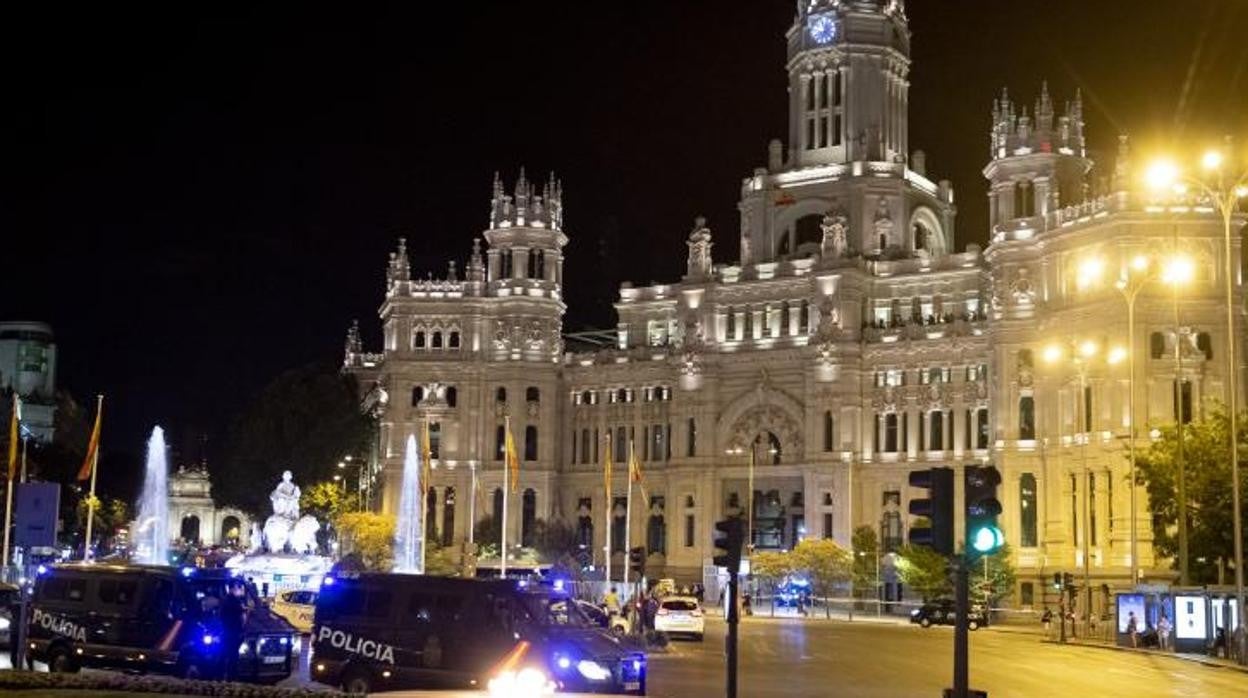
point(525, 207)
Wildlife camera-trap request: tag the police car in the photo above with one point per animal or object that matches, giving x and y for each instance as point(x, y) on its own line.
point(378, 632)
point(151, 618)
point(297, 608)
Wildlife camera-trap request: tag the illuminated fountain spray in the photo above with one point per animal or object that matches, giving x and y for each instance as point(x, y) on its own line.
point(151, 538)
point(407, 538)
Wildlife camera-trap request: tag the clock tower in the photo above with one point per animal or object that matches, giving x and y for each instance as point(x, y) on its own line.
point(848, 62)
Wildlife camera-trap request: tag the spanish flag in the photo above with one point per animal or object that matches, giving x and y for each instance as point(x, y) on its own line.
point(93, 446)
point(426, 459)
point(634, 474)
point(513, 458)
point(13, 436)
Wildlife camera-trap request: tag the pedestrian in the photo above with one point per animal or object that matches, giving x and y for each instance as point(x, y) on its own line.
point(651, 610)
point(746, 606)
point(612, 601)
point(1047, 619)
point(1164, 626)
point(233, 619)
point(698, 592)
point(1133, 629)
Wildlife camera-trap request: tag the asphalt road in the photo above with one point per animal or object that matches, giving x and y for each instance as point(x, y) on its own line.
point(787, 659)
point(792, 659)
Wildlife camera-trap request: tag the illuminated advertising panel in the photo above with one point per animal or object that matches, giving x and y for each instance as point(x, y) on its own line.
point(1189, 621)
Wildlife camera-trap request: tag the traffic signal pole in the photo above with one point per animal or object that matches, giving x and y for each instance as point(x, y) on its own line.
point(961, 636)
point(730, 640)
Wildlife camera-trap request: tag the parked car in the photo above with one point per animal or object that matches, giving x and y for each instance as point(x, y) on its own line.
point(616, 625)
point(381, 632)
point(680, 615)
point(8, 598)
point(297, 608)
point(152, 619)
point(944, 612)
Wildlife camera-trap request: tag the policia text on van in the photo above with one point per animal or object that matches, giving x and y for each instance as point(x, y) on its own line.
point(160, 619)
point(394, 631)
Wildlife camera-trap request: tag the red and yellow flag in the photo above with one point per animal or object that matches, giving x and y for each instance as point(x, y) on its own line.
point(93, 446)
point(426, 459)
point(634, 474)
point(513, 458)
point(13, 435)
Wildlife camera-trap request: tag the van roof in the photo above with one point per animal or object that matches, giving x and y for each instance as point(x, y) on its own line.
point(426, 581)
point(122, 568)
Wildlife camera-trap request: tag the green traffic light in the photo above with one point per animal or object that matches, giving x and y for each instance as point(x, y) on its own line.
point(987, 539)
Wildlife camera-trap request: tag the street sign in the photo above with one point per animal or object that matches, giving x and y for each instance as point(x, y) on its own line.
point(35, 514)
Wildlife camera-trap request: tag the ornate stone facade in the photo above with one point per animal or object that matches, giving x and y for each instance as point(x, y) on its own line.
point(850, 344)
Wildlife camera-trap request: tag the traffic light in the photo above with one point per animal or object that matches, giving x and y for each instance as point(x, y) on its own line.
point(729, 536)
point(983, 535)
point(637, 560)
point(937, 508)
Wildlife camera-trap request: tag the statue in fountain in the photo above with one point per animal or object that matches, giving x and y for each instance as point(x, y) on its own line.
point(285, 528)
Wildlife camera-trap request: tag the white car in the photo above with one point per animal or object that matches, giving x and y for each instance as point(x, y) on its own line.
point(297, 608)
point(680, 615)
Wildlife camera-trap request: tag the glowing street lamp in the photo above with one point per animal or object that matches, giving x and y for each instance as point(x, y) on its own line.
point(1225, 194)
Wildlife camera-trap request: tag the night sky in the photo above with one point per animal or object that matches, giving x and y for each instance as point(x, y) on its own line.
point(199, 201)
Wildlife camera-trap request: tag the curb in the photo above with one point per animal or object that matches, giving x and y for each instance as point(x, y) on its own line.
point(1193, 659)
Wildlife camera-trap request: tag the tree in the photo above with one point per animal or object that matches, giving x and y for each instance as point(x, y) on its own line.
point(440, 561)
point(825, 563)
point(1207, 476)
point(486, 535)
point(371, 537)
point(305, 421)
point(770, 569)
point(993, 581)
point(866, 564)
point(924, 570)
point(109, 515)
point(555, 544)
point(326, 501)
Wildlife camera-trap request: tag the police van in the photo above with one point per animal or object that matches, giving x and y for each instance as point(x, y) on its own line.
point(380, 632)
point(149, 618)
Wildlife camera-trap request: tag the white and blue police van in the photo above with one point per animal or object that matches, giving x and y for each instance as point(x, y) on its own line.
point(381, 632)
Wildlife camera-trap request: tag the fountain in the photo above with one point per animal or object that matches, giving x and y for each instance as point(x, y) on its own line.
point(287, 559)
point(407, 534)
point(151, 539)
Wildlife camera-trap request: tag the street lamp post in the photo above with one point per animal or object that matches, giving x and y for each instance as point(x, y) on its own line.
point(1224, 194)
point(1136, 275)
point(1081, 355)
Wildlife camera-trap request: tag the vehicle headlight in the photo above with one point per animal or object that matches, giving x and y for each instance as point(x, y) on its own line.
point(593, 670)
point(914, 613)
point(4, 623)
point(526, 683)
point(244, 648)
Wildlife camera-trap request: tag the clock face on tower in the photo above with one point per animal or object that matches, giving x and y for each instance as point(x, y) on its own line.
point(822, 29)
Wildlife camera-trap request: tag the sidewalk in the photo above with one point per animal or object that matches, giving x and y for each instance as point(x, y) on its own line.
point(1182, 656)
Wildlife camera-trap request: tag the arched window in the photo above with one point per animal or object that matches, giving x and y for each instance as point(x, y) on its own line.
point(437, 340)
point(231, 529)
point(448, 517)
point(617, 525)
point(1205, 344)
point(500, 441)
point(435, 440)
point(1027, 511)
point(1156, 345)
point(585, 532)
point(418, 394)
point(532, 394)
point(530, 443)
point(1026, 419)
point(890, 432)
point(418, 340)
point(584, 446)
point(587, 398)
point(828, 425)
point(621, 395)
point(528, 518)
point(936, 425)
point(190, 529)
point(500, 395)
point(730, 325)
point(656, 531)
point(691, 438)
point(809, 229)
point(621, 445)
point(453, 342)
point(452, 396)
point(498, 508)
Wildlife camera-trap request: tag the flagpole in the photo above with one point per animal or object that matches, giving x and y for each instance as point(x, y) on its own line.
point(425, 470)
point(502, 525)
point(606, 469)
point(472, 504)
point(95, 461)
point(8, 504)
point(628, 514)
